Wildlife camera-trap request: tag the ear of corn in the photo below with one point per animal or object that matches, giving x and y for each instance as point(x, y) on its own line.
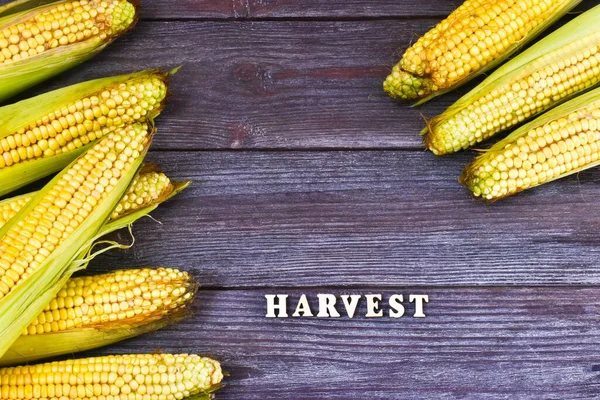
point(148, 189)
point(39, 244)
point(95, 311)
point(564, 141)
point(37, 43)
point(41, 135)
point(164, 376)
point(477, 36)
point(552, 71)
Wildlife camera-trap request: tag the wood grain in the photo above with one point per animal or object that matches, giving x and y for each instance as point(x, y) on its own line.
point(486, 343)
point(268, 219)
point(290, 9)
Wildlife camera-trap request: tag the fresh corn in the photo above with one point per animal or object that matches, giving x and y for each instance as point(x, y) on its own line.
point(39, 245)
point(476, 37)
point(147, 188)
point(38, 42)
point(138, 376)
point(561, 142)
point(95, 311)
point(41, 135)
point(553, 70)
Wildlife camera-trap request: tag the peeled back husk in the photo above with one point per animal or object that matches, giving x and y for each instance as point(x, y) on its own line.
point(478, 36)
point(553, 70)
point(40, 39)
point(36, 265)
point(41, 135)
point(150, 188)
point(95, 311)
point(561, 142)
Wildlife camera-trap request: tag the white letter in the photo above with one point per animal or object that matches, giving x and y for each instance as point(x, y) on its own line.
point(351, 305)
point(303, 307)
point(327, 306)
point(396, 307)
point(373, 305)
point(419, 299)
point(281, 307)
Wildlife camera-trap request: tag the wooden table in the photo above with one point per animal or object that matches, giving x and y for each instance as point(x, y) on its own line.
point(308, 179)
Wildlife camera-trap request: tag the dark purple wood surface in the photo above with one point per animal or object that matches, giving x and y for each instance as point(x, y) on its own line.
point(308, 179)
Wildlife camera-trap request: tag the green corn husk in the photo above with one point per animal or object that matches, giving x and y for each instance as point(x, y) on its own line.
point(561, 142)
point(153, 298)
point(135, 199)
point(34, 347)
point(21, 116)
point(554, 70)
point(18, 75)
point(31, 293)
point(457, 49)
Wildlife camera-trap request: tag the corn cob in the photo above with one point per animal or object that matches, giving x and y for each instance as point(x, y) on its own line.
point(553, 70)
point(40, 243)
point(476, 37)
point(138, 376)
point(43, 134)
point(561, 142)
point(147, 188)
point(39, 42)
point(95, 311)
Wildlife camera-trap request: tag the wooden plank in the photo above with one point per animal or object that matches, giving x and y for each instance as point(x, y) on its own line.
point(252, 9)
point(191, 9)
point(263, 219)
point(492, 343)
point(359, 8)
point(289, 9)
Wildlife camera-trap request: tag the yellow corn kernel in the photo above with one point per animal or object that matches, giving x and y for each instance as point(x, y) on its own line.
point(84, 120)
point(559, 143)
point(147, 188)
point(28, 242)
point(555, 69)
point(62, 24)
point(113, 300)
point(475, 37)
point(164, 376)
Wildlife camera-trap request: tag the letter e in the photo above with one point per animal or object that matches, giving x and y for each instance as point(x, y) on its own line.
point(373, 307)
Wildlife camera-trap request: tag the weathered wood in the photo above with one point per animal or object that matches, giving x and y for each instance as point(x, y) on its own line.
point(492, 343)
point(256, 9)
point(252, 9)
point(270, 219)
point(270, 84)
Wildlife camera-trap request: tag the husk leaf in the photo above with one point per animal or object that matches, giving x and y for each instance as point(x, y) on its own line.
point(580, 27)
point(509, 52)
point(19, 115)
point(36, 347)
point(28, 298)
point(20, 75)
point(578, 103)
